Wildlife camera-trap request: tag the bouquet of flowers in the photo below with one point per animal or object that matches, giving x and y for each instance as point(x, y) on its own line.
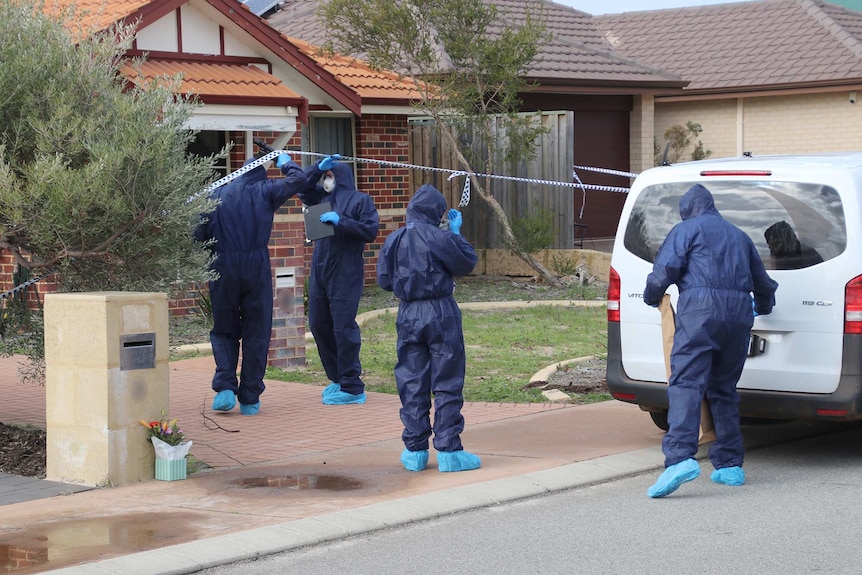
point(165, 430)
point(167, 438)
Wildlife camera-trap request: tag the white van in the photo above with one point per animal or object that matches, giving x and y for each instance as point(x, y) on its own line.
point(804, 214)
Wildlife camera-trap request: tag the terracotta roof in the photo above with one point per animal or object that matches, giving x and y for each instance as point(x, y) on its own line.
point(97, 14)
point(217, 80)
point(102, 13)
point(368, 83)
point(745, 45)
point(578, 54)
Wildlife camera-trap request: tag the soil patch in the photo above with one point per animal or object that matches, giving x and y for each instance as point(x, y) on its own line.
point(580, 378)
point(22, 451)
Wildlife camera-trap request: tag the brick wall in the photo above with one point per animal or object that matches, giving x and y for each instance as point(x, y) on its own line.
point(804, 124)
point(793, 124)
point(716, 117)
point(14, 557)
point(35, 293)
point(383, 137)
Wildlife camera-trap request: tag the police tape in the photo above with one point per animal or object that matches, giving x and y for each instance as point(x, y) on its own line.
point(465, 194)
point(26, 284)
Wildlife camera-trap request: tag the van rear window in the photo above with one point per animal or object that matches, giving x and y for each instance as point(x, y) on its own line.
point(794, 225)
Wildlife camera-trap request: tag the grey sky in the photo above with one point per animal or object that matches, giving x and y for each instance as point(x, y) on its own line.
point(597, 7)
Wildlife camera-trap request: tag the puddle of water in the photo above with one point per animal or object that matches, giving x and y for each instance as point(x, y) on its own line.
point(59, 544)
point(303, 481)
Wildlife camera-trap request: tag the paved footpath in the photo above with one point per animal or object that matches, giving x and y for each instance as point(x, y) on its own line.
point(296, 474)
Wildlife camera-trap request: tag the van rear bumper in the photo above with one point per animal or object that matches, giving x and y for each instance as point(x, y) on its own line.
point(844, 404)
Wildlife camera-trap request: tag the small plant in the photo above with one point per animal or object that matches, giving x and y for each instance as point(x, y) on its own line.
point(165, 430)
point(205, 304)
point(564, 264)
point(681, 140)
point(534, 233)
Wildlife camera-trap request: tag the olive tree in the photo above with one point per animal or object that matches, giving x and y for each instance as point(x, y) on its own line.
point(468, 62)
point(96, 185)
point(95, 180)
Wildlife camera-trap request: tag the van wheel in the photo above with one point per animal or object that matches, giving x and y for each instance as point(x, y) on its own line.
point(660, 419)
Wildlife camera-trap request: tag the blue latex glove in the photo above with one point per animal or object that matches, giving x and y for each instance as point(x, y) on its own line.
point(282, 160)
point(753, 310)
point(330, 218)
point(455, 221)
point(326, 163)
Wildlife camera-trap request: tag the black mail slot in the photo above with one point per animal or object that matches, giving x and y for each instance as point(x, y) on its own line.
point(137, 351)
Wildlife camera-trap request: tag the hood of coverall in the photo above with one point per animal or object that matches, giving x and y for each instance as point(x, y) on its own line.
point(427, 206)
point(697, 201)
point(345, 185)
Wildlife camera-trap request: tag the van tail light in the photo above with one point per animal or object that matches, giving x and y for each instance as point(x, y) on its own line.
point(832, 412)
point(614, 296)
point(852, 306)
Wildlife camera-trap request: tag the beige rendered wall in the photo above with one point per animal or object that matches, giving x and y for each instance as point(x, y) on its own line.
point(791, 124)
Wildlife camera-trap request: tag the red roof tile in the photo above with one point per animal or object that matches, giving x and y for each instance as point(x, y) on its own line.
point(214, 79)
point(95, 14)
point(359, 76)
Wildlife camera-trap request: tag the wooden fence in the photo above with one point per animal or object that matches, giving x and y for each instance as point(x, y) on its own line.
point(554, 160)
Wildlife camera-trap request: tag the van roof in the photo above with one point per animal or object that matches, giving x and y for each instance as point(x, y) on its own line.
point(793, 166)
point(837, 159)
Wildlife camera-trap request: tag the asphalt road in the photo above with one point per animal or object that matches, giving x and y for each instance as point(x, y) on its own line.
point(799, 512)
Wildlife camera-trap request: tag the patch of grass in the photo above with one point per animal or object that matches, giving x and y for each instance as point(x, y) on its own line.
point(490, 288)
point(504, 349)
point(194, 465)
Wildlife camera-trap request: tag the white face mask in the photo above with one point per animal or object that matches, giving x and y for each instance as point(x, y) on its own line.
point(328, 184)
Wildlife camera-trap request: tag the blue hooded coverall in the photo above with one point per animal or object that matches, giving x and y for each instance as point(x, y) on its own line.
point(417, 263)
point(242, 295)
point(716, 268)
point(337, 275)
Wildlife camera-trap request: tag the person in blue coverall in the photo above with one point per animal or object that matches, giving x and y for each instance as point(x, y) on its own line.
point(418, 263)
point(716, 268)
point(238, 233)
point(337, 276)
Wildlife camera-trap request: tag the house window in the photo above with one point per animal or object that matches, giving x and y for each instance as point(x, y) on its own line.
point(207, 143)
point(332, 135)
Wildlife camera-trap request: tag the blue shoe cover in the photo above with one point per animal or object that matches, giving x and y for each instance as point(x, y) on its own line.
point(249, 408)
point(673, 477)
point(225, 400)
point(457, 461)
point(729, 476)
point(343, 398)
point(330, 389)
point(414, 460)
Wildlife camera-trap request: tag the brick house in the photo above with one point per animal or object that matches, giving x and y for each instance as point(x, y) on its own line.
point(576, 72)
point(255, 83)
point(767, 77)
